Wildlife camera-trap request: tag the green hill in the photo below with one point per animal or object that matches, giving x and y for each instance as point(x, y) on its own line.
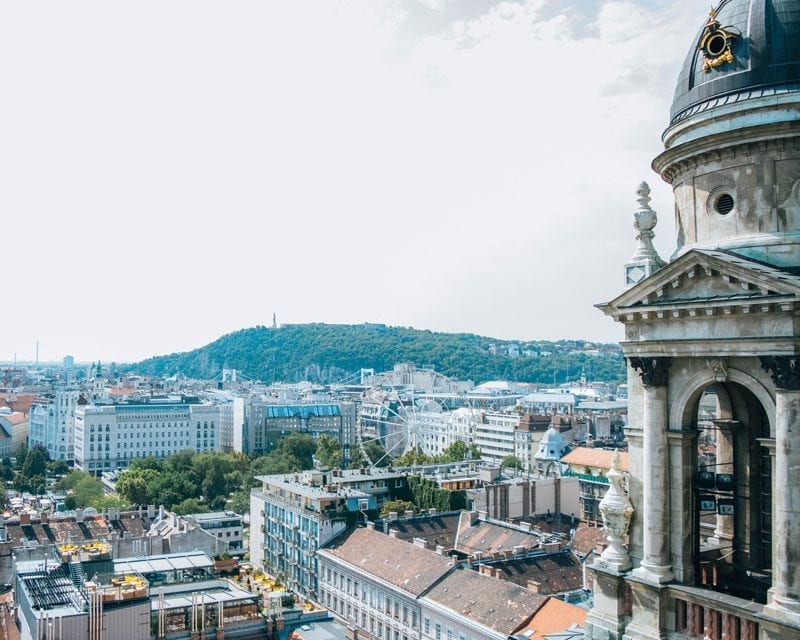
point(328, 353)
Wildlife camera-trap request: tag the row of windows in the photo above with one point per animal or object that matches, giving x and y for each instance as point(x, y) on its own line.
point(377, 599)
point(375, 626)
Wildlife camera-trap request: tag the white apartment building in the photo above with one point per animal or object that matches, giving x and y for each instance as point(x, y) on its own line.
point(109, 437)
point(371, 582)
point(383, 588)
point(494, 435)
point(224, 525)
point(441, 429)
point(52, 422)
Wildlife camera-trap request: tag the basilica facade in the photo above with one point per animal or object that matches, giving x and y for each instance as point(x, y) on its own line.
point(711, 522)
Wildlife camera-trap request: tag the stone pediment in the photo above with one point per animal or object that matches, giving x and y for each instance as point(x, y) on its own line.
point(705, 281)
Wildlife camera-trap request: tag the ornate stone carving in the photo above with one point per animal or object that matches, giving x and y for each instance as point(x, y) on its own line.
point(784, 371)
point(616, 510)
point(654, 371)
point(645, 260)
point(720, 368)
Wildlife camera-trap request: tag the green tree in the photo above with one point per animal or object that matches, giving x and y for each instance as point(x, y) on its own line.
point(86, 489)
point(136, 485)
point(329, 451)
point(111, 501)
point(458, 451)
point(36, 462)
point(150, 462)
point(214, 484)
point(398, 506)
point(190, 505)
point(375, 455)
point(299, 445)
point(58, 468)
point(275, 462)
point(413, 457)
point(6, 469)
point(511, 462)
point(21, 454)
point(239, 502)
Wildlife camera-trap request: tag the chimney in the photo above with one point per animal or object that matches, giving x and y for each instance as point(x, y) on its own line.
point(431, 512)
point(409, 514)
point(485, 570)
point(440, 549)
point(534, 586)
point(78, 515)
point(498, 573)
point(421, 543)
point(508, 554)
point(392, 516)
point(473, 517)
point(371, 525)
point(392, 533)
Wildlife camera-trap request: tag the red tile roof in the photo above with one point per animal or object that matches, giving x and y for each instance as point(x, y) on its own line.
point(554, 616)
point(596, 458)
point(495, 604)
point(487, 537)
point(396, 561)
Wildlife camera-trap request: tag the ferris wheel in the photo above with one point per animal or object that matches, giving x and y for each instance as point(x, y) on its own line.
point(405, 411)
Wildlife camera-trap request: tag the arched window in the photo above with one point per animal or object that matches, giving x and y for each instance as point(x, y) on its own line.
point(732, 493)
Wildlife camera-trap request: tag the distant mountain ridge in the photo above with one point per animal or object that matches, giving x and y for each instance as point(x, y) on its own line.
point(326, 353)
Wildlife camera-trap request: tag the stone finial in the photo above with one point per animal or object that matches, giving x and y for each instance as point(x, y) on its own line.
point(645, 260)
point(616, 509)
point(616, 461)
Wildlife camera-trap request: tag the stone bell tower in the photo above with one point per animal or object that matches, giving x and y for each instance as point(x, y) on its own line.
point(712, 340)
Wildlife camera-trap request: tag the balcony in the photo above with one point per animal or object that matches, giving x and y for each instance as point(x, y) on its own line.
point(588, 477)
point(700, 613)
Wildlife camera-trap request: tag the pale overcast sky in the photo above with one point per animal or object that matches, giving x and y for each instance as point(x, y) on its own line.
point(171, 171)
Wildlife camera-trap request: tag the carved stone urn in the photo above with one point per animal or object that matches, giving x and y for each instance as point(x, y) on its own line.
point(616, 510)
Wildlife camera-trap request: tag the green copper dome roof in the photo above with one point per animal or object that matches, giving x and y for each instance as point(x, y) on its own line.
point(746, 49)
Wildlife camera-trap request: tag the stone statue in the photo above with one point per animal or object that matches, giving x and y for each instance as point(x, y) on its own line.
point(616, 510)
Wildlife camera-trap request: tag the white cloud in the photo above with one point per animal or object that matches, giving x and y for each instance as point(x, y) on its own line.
point(176, 170)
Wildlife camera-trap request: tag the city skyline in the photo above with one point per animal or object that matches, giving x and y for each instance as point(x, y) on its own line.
point(175, 173)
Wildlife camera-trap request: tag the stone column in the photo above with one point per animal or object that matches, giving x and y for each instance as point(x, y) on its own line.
point(785, 372)
point(655, 565)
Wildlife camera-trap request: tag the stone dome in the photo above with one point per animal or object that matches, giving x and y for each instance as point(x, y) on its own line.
point(552, 446)
point(732, 147)
point(745, 49)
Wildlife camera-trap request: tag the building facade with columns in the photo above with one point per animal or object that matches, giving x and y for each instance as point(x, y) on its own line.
point(714, 538)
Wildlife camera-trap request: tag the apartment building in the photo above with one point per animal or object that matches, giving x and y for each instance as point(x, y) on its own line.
point(52, 422)
point(384, 588)
point(293, 515)
point(225, 525)
point(109, 437)
point(372, 582)
point(265, 423)
point(494, 435)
